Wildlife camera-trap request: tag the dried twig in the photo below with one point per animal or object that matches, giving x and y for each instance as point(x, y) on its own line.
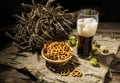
point(39, 25)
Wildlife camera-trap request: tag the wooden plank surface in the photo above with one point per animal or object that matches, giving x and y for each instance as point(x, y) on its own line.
point(105, 31)
point(39, 69)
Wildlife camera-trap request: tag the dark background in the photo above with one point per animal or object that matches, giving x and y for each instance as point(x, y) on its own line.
point(109, 11)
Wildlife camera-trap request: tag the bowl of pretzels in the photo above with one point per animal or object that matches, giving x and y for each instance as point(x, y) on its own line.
point(57, 53)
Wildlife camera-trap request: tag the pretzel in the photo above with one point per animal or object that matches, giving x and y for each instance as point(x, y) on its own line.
point(57, 50)
point(65, 72)
point(76, 73)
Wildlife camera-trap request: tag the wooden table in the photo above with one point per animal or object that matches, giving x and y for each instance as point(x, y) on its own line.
point(106, 29)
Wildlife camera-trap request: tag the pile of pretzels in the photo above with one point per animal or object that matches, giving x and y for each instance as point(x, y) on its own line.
point(57, 50)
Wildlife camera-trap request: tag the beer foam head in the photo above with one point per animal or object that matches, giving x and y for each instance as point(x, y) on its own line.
point(87, 27)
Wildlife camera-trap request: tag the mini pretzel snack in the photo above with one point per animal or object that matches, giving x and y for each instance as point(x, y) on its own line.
point(76, 73)
point(57, 53)
point(65, 72)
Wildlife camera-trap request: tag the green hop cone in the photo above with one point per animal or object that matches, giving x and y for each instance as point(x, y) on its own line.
point(104, 49)
point(94, 48)
point(72, 41)
point(93, 61)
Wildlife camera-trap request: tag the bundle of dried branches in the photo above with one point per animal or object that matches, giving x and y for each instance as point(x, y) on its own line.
point(40, 24)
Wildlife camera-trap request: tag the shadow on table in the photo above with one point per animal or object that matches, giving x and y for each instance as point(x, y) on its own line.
point(70, 66)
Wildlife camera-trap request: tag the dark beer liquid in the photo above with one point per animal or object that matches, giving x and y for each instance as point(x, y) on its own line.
point(84, 46)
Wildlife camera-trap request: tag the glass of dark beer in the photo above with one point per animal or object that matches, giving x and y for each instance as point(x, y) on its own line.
point(87, 23)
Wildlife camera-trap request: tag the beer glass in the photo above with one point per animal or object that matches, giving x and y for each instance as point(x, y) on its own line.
point(87, 23)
